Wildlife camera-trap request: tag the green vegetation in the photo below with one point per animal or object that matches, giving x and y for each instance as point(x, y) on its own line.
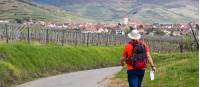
point(173, 70)
point(187, 43)
point(21, 10)
point(159, 32)
point(22, 62)
point(80, 10)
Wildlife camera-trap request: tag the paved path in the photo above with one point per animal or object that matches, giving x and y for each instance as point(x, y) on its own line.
point(89, 78)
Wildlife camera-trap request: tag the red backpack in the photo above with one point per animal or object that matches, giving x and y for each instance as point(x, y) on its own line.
point(139, 57)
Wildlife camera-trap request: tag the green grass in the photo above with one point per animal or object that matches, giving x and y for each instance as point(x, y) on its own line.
point(22, 62)
point(173, 70)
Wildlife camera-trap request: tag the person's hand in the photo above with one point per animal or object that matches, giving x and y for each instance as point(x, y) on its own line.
point(122, 64)
point(154, 68)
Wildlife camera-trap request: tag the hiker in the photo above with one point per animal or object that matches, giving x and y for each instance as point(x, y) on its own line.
point(136, 55)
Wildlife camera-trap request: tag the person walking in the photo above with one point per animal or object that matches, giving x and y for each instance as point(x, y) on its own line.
point(136, 55)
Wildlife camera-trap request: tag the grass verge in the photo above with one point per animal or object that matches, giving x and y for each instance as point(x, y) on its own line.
point(21, 62)
point(173, 70)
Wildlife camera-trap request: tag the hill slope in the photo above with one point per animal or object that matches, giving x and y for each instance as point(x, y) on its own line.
point(115, 10)
point(19, 9)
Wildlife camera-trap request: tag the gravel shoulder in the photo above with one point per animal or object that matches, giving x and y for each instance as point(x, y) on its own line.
point(89, 78)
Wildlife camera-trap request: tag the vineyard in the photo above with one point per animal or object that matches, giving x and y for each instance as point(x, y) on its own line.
point(10, 33)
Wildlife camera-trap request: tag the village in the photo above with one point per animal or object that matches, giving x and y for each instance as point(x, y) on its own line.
point(177, 29)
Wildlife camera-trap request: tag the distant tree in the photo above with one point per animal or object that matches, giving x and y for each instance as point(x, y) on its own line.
point(172, 31)
point(149, 30)
point(126, 30)
point(159, 32)
point(18, 21)
point(113, 31)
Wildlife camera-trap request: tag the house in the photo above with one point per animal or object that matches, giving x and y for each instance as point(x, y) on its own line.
point(119, 30)
point(166, 26)
point(148, 26)
point(176, 33)
point(167, 32)
point(156, 25)
point(4, 21)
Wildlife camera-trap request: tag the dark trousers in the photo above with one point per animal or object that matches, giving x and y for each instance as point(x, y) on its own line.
point(135, 77)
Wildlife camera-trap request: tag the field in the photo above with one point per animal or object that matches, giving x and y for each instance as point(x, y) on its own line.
point(173, 70)
point(21, 62)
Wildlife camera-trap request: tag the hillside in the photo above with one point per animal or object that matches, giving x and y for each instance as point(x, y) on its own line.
point(21, 9)
point(165, 11)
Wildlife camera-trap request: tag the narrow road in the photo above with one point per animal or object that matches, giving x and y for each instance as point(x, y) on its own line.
point(89, 78)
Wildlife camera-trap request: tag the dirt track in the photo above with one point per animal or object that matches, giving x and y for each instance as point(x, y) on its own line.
point(89, 78)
